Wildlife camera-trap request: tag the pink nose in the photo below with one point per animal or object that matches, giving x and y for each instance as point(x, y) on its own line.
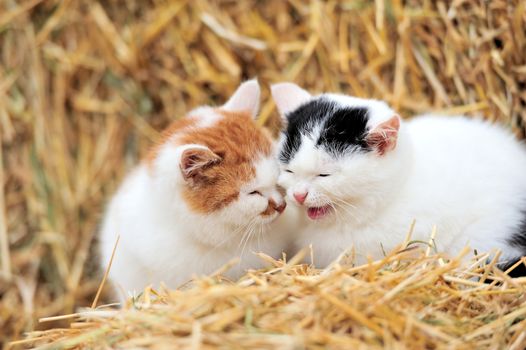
point(300, 197)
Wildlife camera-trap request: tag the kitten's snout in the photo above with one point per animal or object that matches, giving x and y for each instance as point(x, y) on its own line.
point(273, 207)
point(280, 207)
point(300, 196)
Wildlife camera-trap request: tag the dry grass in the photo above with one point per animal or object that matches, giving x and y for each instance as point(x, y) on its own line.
point(85, 88)
point(408, 300)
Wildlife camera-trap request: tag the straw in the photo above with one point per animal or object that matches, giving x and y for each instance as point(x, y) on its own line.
point(409, 301)
point(86, 87)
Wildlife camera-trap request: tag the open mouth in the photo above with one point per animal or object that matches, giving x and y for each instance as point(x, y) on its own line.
point(316, 213)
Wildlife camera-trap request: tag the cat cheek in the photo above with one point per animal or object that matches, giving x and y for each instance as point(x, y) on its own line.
point(260, 207)
point(254, 203)
point(282, 181)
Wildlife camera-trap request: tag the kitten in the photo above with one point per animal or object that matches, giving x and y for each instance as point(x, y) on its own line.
point(362, 175)
point(203, 197)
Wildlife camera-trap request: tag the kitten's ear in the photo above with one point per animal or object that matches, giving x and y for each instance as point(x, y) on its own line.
point(384, 136)
point(245, 98)
point(196, 159)
point(288, 97)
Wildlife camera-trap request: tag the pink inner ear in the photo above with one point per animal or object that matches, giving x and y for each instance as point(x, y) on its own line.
point(384, 136)
point(195, 159)
point(245, 98)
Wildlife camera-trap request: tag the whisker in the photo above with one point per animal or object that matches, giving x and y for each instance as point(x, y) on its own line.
point(230, 237)
point(339, 203)
point(248, 235)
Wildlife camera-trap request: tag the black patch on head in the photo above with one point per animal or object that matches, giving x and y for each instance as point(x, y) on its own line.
point(301, 121)
point(342, 128)
point(345, 128)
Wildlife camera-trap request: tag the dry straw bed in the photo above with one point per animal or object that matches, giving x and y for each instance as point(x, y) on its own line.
point(408, 300)
point(85, 87)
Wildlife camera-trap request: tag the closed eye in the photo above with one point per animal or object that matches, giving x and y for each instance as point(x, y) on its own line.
point(289, 171)
point(253, 193)
point(324, 175)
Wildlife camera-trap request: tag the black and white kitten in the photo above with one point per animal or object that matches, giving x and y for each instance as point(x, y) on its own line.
point(362, 176)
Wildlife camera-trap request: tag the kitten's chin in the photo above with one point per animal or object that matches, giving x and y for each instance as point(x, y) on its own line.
point(318, 213)
point(267, 219)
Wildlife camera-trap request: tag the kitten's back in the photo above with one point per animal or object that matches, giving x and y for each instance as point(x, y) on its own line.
point(473, 171)
point(464, 142)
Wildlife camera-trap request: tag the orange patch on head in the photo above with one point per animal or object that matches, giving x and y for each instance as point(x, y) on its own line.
point(237, 140)
point(178, 126)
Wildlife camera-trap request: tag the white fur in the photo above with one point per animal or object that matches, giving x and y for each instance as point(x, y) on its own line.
point(465, 176)
point(164, 240)
point(206, 116)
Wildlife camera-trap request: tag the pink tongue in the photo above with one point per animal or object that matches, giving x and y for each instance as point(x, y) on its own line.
point(316, 213)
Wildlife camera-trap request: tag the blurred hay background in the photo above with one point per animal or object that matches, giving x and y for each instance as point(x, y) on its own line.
point(85, 87)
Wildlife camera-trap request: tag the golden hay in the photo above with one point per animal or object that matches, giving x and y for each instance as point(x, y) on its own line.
point(85, 86)
point(408, 300)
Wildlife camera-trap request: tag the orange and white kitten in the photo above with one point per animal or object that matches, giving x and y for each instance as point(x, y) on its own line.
point(205, 195)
